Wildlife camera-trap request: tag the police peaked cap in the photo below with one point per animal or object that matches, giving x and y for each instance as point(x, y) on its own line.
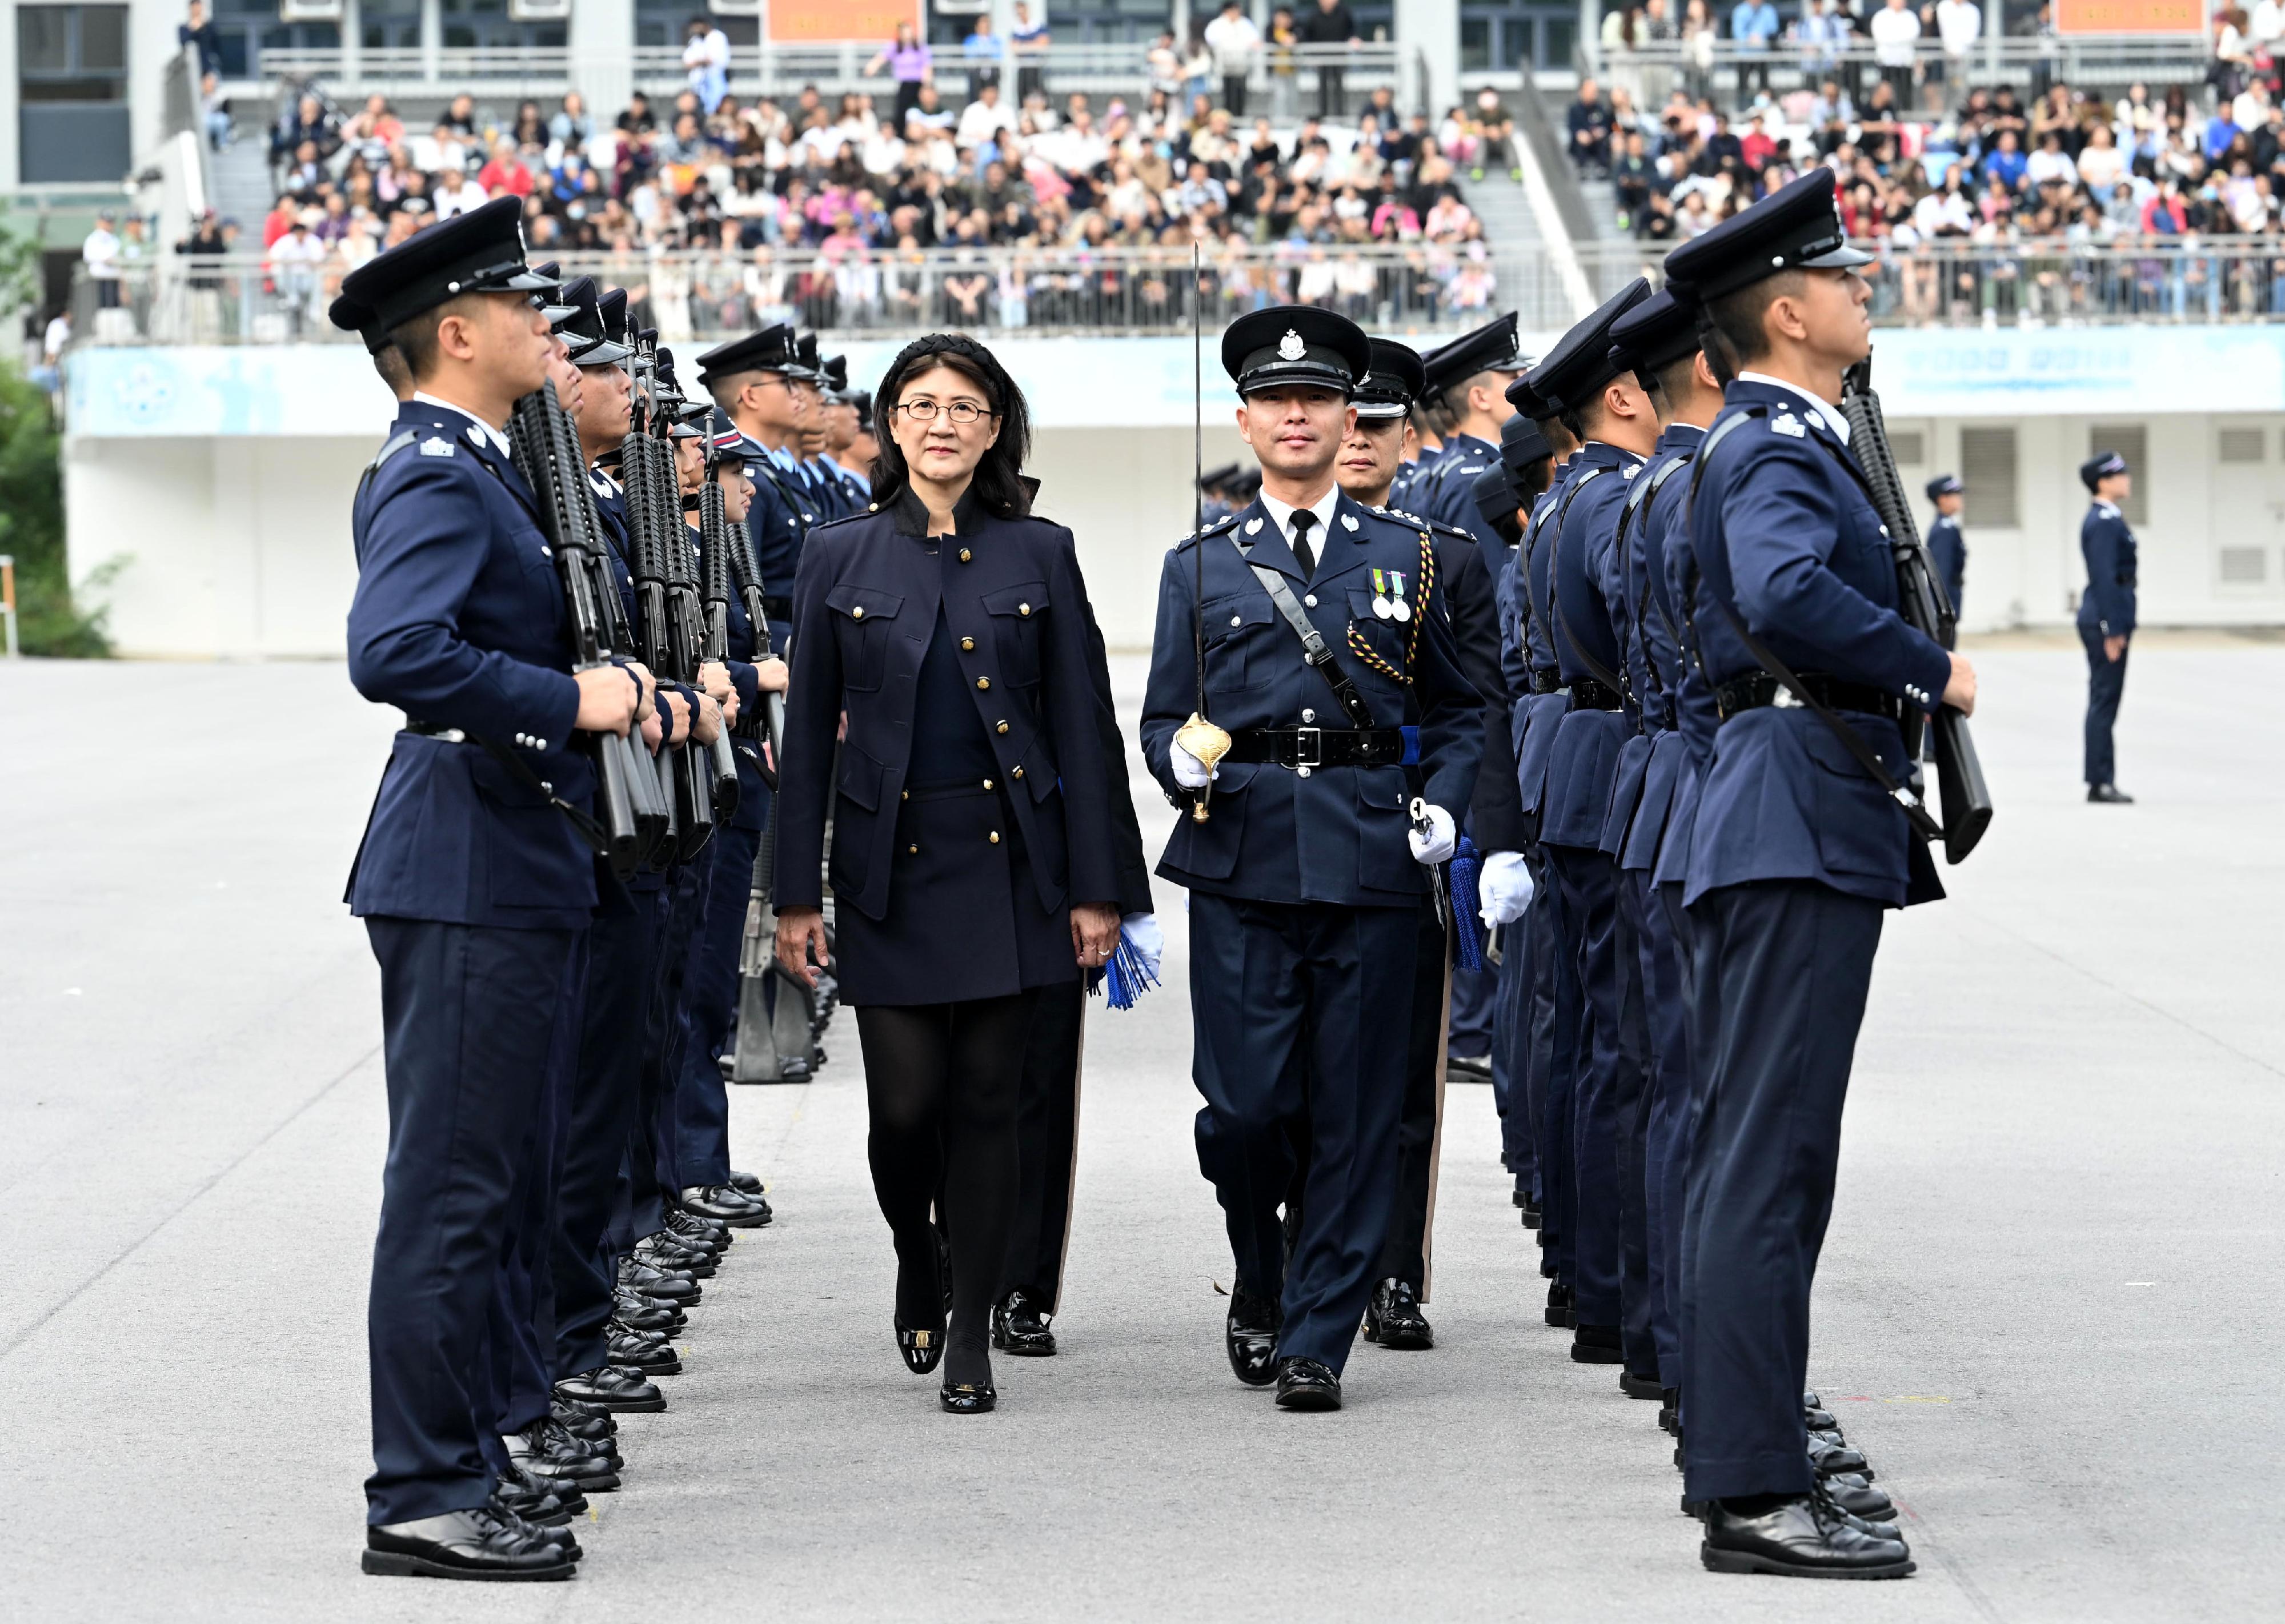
point(613, 308)
point(1489, 349)
point(805, 361)
point(2100, 466)
point(553, 308)
point(1575, 372)
point(1797, 227)
point(1219, 479)
point(1295, 344)
point(479, 252)
point(730, 442)
point(1396, 379)
point(836, 370)
point(584, 329)
point(1654, 334)
point(1944, 484)
point(1522, 443)
point(770, 351)
point(1526, 401)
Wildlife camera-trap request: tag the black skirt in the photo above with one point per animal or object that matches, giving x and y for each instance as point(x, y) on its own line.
point(963, 919)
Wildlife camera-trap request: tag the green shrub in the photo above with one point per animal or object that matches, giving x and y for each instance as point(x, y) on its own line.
point(32, 528)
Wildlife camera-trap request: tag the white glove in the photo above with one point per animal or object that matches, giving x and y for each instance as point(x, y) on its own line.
point(1442, 840)
point(1143, 934)
point(1189, 772)
point(1504, 888)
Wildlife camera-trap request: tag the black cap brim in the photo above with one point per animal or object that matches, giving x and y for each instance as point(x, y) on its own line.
point(1843, 258)
point(606, 353)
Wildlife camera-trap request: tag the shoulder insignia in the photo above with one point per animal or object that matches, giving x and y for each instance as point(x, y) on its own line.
point(827, 524)
point(1217, 528)
point(436, 445)
point(1631, 472)
point(475, 436)
point(1786, 423)
point(1349, 519)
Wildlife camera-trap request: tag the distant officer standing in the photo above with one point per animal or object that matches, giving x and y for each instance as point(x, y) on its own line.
point(1325, 646)
point(752, 378)
point(2106, 614)
point(1799, 846)
point(1947, 545)
point(1468, 377)
point(475, 889)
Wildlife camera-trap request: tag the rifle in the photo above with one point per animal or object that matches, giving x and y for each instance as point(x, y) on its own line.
point(654, 810)
point(669, 646)
point(714, 629)
point(769, 726)
point(546, 449)
point(1965, 798)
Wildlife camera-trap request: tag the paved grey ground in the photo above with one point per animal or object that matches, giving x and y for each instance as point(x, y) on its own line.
point(2049, 1309)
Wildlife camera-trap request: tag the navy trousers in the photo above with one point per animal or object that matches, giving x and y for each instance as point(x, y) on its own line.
point(1552, 1077)
point(605, 1091)
point(1047, 1136)
point(1783, 967)
point(710, 1013)
point(1404, 1255)
point(648, 1181)
point(1683, 1287)
point(468, 1018)
point(1664, 1116)
point(1511, 1056)
point(1608, 1227)
point(2106, 686)
point(1475, 998)
point(1302, 1014)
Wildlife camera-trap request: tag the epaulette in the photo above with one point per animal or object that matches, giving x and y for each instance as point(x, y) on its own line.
point(1217, 528)
point(827, 524)
point(1435, 525)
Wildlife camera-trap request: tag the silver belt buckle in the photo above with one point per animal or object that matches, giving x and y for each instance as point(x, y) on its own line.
point(1309, 747)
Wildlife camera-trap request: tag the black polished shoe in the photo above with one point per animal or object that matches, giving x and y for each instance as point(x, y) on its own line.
point(625, 1299)
point(922, 1350)
point(609, 1387)
point(1829, 1458)
point(1596, 1344)
point(1670, 1410)
point(1820, 1420)
point(1521, 1196)
point(1394, 1318)
point(1532, 1214)
point(1250, 1338)
point(748, 1183)
point(1801, 1536)
point(543, 1505)
point(667, 1252)
point(1854, 1494)
point(632, 1350)
point(1468, 1067)
point(586, 1422)
point(1308, 1383)
point(1640, 1386)
point(473, 1544)
point(2109, 794)
point(697, 1231)
point(652, 1281)
point(1558, 1303)
point(725, 1204)
point(968, 1398)
point(628, 1309)
point(549, 1455)
point(1019, 1328)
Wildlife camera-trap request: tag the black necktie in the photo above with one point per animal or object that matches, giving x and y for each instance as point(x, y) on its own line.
point(1303, 521)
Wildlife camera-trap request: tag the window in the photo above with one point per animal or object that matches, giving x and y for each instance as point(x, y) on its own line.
point(1987, 468)
point(249, 28)
point(2130, 441)
point(71, 93)
point(389, 25)
point(485, 25)
point(1516, 42)
point(1908, 446)
point(1475, 45)
point(2241, 444)
point(1101, 22)
point(1557, 42)
point(2243, 566)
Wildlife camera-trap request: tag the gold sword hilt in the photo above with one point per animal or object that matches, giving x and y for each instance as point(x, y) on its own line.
point(1207, 744)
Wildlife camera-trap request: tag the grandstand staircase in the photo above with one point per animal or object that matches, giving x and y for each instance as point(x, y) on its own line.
point(239, 183)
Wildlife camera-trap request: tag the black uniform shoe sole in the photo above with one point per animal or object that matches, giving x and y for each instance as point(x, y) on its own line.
point(1596, 1355)
point(1530, 1219)
point(630, 1406)
point(965, 1400)
point(403, 1565)
point(1309, 1399)
point(1641, 1386)
point(1024, 1347)
point(1402, 1339)
point(1719, 1561)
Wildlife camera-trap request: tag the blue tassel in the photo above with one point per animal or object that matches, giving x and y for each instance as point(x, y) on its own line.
point(1126, 977)
point(1467, 923)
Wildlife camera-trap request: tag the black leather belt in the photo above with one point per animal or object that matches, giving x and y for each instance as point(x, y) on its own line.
point(1546, 682)
point(1588, 694)
point(1756, 689)
point(1318, 746)
point(435, 730)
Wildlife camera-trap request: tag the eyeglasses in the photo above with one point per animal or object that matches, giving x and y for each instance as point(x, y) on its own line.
point(961, 412)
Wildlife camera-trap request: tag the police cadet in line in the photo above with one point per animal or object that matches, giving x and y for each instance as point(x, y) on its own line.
point(753, 381)
point(475, 889)
point(2105, 614)
point(1798, 848)
point(1549, 1019)
point(1422, 445)
point(1947, 545)
point(842, 429)
point(1614, 420)
point(1214, 493)
point(1368, 462)
point(808, 451)
point(1323, 642)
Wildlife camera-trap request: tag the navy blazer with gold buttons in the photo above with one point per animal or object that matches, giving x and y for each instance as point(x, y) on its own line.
point(865, 605)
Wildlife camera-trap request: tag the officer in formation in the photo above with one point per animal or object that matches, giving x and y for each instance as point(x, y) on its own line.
point(1313, 818)
point(1370, 460)
point(1214, 489)
point(545, 1223)
point(852, 487)
point(1947, 545)
point(2105, 614)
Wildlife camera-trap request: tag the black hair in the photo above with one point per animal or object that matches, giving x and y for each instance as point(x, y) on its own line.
point(415, 337)
point(1674, 382)
point(395, 370)
point(998, 483)
point(1557, 431)
point(1737, 339)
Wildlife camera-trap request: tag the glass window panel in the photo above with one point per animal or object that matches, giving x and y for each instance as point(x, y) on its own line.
point(1475, 43)
point(43, 39)
point(103, 39)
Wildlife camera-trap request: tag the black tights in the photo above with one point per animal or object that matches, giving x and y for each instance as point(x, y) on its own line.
point(942, 1082)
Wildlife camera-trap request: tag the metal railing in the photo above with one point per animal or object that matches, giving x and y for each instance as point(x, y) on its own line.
point(1730, 72)
point(785, 70)
point(1423, 289)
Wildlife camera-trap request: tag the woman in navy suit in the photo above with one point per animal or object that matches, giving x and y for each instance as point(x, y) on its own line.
point(973, 844)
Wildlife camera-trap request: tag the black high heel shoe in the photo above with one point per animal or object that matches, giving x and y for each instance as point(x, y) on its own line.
point(924, 1350)
point(968, 1398)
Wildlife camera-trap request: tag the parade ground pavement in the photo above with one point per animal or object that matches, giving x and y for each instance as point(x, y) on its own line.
point(2049, 1309)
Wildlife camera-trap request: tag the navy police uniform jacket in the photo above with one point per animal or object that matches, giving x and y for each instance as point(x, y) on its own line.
point(1786, 535)
point(1947, 548)
point(1540, 676)
point(865, 607)
point(2106, 608)
point(460, 618)
point(1654, 647)
point(1337, 834)
point(1448, 495)
point(777, 520)
point(745, 680)
point(1471, 599)
point(1585, 527)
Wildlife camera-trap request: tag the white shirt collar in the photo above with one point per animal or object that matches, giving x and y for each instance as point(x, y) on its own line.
point(1818, 409)
point(492, 437)
point(1280, 513)
point(2108, 510)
